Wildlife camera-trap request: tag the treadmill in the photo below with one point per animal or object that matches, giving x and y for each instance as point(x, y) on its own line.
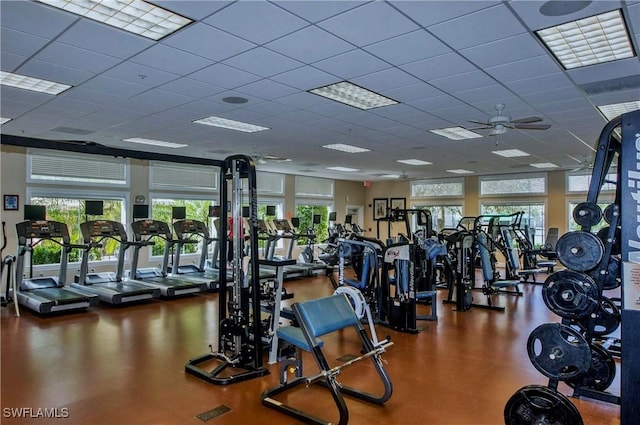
point(170, 285)
point(298, 269)
point(191, 231)
point(47, 294)
point(109, 287)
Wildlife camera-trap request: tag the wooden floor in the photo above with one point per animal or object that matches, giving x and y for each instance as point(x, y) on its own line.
point(126, 366)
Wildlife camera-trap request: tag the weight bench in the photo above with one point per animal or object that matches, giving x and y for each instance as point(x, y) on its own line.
point(317, 318)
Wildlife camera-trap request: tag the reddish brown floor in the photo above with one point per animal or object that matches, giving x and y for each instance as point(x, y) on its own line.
point(126, 366)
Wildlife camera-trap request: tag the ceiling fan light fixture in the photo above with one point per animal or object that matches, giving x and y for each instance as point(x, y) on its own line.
point(33, 84)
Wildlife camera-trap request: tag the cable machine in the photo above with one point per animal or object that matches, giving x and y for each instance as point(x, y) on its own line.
point(239, 352)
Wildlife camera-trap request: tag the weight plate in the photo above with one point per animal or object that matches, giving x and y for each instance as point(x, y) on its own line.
point(570, 295)
point(607, 214)
point(580, 251)
point(606, 320)
point(587, 214)
point(601, 373)
point(539, 405)
point(603, 235)
point(558, 351)
point(613, 277)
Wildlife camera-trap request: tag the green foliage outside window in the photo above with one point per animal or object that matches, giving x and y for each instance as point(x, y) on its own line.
point(305, 213)
point(195, 210)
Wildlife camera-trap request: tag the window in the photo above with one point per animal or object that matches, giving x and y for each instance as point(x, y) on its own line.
point(269, 183)
point(533, 216)
point(192, 178)
point(305, 213)
point(575, 226)
point(519, 184)
point(70, 209)
point(48, 167)
point(443, 216)
point(580, 182)
point(437, 188)
point(314, 187)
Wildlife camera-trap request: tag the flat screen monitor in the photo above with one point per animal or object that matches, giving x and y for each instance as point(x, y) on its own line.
point(245, 211)
point(93, 207)
point(214, 210)
point(347, 219)
point(140, 211)
point(333, 216)
point(295, 221)
point(35, 212)
point(178, 213)
point(317, 218)
point(271, 210)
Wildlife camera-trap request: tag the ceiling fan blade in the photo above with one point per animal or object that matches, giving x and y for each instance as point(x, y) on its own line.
point(532, 126)
point(479, 128)
point(526, 120)
point(480, 122)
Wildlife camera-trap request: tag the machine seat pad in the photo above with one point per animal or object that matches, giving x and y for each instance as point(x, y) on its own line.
point(294, 335)
point(505, 283)
point(422, 295)
point(325, 315)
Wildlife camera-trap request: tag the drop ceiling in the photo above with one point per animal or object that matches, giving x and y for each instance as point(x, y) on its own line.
point(445, 63)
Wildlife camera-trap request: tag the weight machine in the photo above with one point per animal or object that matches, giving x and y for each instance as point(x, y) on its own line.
point(239, 353)
point(571, 351)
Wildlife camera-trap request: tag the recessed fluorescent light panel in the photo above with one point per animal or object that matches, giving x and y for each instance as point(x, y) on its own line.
point(33, 84)
point(230, 124)
point(4, 120)
point(510, 153)
point(544, 165)
point(346, 148)
point(344, 169)
point(456, 133)
point(154, 142)
point(615, 109)
point(596, 39)
point(414, 162)
point(136, 16)
point(460, 171)
point(353, 95)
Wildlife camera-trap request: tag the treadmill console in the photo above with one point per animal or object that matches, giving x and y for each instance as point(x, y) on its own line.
point(42, 229)
point(283, 225)
point(151, 228)
point(194, 227)
point(103, 228)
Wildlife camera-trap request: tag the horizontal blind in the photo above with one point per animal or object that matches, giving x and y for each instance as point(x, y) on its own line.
point(81, 169)
point(270, 183)
point(507, 185)
point(437, 188)
point(163, 175)
point(314, 187)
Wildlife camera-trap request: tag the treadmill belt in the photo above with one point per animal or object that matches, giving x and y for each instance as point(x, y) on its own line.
point(59, 295)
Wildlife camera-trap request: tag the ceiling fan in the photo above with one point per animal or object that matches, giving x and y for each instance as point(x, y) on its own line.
point(262, 158)
point(500, 123)
point(583, 164)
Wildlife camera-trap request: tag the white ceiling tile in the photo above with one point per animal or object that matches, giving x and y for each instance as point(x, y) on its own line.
point(413, 92)
point(542, 97)
point(409, 47)
point(208, 42)
point(427, 13)
point(65, 102)
point(305, 78)
point(369, 24)
point(52, 72)
point(172, 60)
point(303, 100)
point(207, 107)
point(224, 76)
point(436, 102)
point(34, 18)
point(161, 98)
point(75, 57)
point(104, 39)
point(190, 87)
point(309, 45)
point(351, 64)
point(537, 84)
point(483, 94)
point(605, 71)
point(524, 69)
point(195, 10)
point(140, 74)
point(263, 62)
point(387, 79)
point(267, 89)
point(564, 105)
point(114, 86)
point(332, 109)
point(461, 82)
point(92, 96)
point(300, 116)
point(503, 51)
point(529, 12)
point(20, 43)
point(269, 108)
point(439, 66)
point(11, 62)
point(471, 30)
point(259, 22)
point(315, 11)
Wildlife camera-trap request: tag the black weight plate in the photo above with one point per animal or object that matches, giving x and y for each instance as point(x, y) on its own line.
point(607, 214)
point(613, 277)
point(570, 294)
point(607, 318)
point(558, 351)
point(587, 214)
point(601, 373)
point(539, 405)
point(580, 251)
point(603, 235)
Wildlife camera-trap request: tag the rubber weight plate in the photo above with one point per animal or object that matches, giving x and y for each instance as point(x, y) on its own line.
point(608, 212)
point(587, 214)
point(539, 405)
point(603, 235)
point(580, 251)
point(558, 351)
point(613, 276)
point(601, 373)
point(607, 318)
point(570, 294)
